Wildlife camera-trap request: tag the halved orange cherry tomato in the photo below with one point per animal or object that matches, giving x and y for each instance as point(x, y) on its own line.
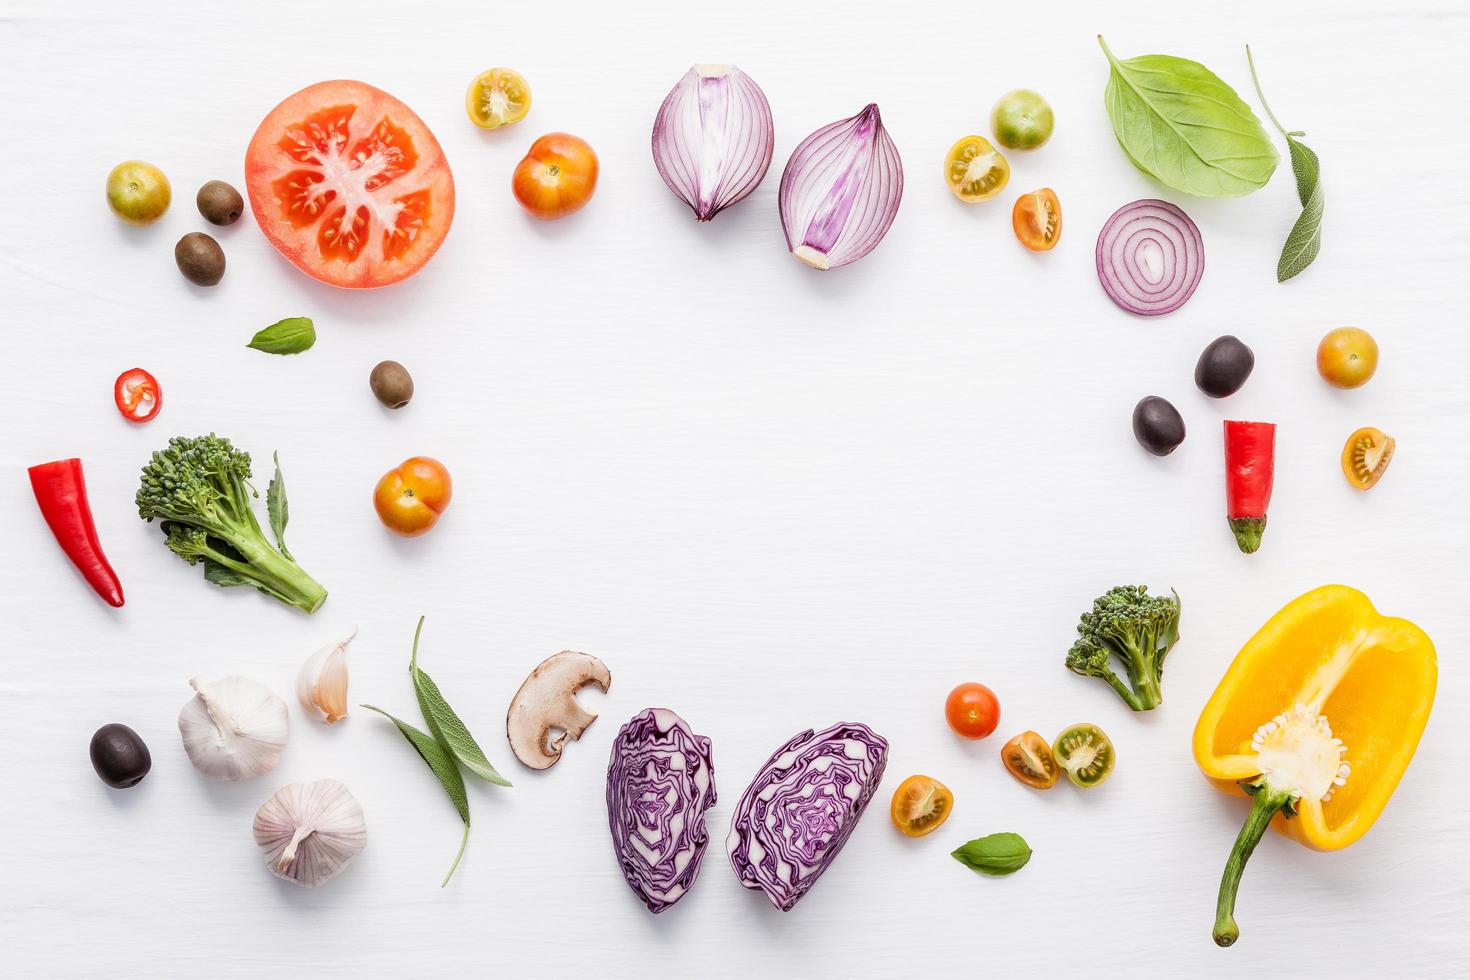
point(558, 176)
point(976, 171)
point(497, 97)
point(1037, 220)
point(1365, 456)
point(411, 496)
point(920, 804)
point(1028, 757)
point(137, 395)
point(972, 710)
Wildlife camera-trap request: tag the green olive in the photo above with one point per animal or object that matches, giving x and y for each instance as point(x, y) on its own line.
point(1085, 754)
point(200, 259)
point(220, 203)
point(1022, 120)
point(138, 192)
point(391, 383)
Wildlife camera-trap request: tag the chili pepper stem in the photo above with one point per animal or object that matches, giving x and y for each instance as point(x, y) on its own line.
point(1248, 531)
point(1265, 803)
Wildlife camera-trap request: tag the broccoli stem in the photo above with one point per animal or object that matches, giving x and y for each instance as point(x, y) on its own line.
point(274, 573)
point(1265, 803)
point(1126, 693)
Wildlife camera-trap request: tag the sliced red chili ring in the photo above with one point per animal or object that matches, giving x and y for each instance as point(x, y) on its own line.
point(137, 395)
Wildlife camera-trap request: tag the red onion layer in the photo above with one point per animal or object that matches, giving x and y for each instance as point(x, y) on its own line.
point(712, 138)
point(1150, 257)
point(841, 191)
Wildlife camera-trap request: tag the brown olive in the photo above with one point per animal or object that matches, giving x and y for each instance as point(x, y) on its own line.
point(220, 203)
point(392, 384)
point(120, 756)
point(200, 259)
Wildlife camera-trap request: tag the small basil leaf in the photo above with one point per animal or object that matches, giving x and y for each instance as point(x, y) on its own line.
point(275, 501)
point(997, 855)
point(289, 336)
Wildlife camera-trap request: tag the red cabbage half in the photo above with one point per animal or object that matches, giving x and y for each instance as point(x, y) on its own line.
point(660, 781)
point(801, 807)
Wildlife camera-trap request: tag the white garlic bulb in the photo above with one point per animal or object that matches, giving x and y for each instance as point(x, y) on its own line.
point(321, 686)
point(310, 831)
point(233, 728)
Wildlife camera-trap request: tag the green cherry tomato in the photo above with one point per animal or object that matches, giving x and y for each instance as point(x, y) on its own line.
point(1021, 120)
point(1085, 754)
point(138, 192)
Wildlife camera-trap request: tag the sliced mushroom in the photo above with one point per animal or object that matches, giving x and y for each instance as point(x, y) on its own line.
point(547, 701)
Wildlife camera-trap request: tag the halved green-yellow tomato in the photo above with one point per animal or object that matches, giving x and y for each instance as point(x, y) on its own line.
point(497, 97)
point(1085, 754)
point(920, 804)
point(976, 171)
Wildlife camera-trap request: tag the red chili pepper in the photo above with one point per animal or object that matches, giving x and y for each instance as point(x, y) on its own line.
point(137, 395)
point(1250, 467)
point(62, 493)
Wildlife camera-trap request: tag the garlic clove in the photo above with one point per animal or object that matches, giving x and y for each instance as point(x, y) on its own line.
point(310, 831)
point(234, 728)
point(321, 686)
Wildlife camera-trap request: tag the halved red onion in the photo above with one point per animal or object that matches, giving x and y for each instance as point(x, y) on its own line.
point(712, 138)
point(1150, 257)
point(841, 190)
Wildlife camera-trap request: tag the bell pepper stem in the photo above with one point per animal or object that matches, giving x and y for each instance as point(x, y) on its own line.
point(1264, 805)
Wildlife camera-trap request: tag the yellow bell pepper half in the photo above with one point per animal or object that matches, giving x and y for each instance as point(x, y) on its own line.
point(1316, 720)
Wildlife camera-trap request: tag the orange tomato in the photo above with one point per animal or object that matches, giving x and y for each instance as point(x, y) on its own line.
point(1365, 456)
point(1347, 357)
point(1037, 220)
point(558, 176)
point(1028, 757)
point(411, 496)
point(920, 804)
point(972, 710)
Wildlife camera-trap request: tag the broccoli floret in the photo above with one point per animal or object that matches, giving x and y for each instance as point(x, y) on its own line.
point(199, 490)
point(1134, 629)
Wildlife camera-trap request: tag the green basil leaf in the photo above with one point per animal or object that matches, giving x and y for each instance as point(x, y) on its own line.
point(997, 855)
point(275, 502)
point(447, 727)
point(289, 336)
point(443, 766)
point(1180, 124)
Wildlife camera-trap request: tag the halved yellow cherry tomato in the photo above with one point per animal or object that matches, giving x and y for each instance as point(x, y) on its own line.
point(1365, 456)
point(1037, 220)
point(497, 97)
point(1028, 757)
point(975, 170)
point(920, 804)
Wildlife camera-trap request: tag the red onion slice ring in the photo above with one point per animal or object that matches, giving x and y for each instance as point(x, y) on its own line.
point(1150, 257)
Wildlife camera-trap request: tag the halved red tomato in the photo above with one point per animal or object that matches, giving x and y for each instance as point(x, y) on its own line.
point(350, 185)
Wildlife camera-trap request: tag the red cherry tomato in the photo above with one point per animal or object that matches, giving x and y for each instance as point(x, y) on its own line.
point(558, 176)
point(972, 710)
point(137, 395)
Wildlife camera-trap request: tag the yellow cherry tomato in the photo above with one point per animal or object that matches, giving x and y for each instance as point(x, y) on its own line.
point(920, 804)
point(497, 97)
point(1347, 357)
point(976, 171)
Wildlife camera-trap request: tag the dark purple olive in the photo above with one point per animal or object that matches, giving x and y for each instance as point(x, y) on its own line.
point(1224, 367)
point(119, 756)
point(1157, 425)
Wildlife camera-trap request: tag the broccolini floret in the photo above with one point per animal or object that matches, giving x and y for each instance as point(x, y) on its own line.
point(1127, 627)
point(199, 490)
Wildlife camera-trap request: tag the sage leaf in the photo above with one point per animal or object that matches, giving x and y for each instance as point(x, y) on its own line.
point(997, 855)
point(1305, 239)
point(443, 766)
point(289, 336)
point(1180, 124)
point(447, 727)
point(275, 502)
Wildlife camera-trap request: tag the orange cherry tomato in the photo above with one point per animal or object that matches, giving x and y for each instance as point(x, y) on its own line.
point(557, 177)
point(972, 710)
point(1028, 757)
point(411, 496)
point(1037, 220)
point(920, 804)
point(1347, 357)
point(1365, 456)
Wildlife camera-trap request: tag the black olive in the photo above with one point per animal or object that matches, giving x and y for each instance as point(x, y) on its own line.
point(200, 259)
point(220, 203)
point(391, 383)
point(119, 756)
point(1224, 367)
point(1157, 425)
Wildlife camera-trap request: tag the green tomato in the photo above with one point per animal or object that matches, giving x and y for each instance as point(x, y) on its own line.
point(1022, 120)
point(1085, 754)
point(138, 192)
